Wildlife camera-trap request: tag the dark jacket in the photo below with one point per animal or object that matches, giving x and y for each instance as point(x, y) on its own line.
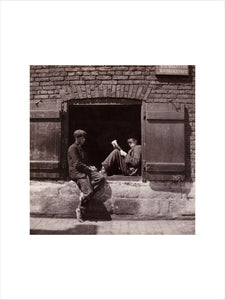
point(78, 162)
point(133, 158)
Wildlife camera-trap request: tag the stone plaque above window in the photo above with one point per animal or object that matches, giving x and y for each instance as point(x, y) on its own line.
point(172, 70)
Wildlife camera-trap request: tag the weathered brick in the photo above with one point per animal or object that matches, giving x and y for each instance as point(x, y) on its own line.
point(42, 74)
point(62, 82)
point(138, 82)
point(126, 87)
point(73, 77)
point(117, 72)
point(139, 92)
point(56, 78)
point(54, 97)
point(122, 91)
point(132, 73)
point(42, 69)
point(130, 91)
point(184, 96)
point(136, 68)
point(77, 82)
point(78, 73)
point(35, 88)
point(105, 91)
point(34, 67)
point(134, 91)
point(120, 77)
point(157, 96)
point(168, 96)
point(41, 92)
point(160, 91)
point(42, 79)
point(88, 89)
point(117, 91)
point(137, 77)
point(91, 77)
point(72, 69)
point(48, 87)
point(46, 83)
point(109, 82)
point(149, 77)
point(120, 68)
point(126, 82)
point(108, 72)
point(58, 74)
point(34, 84)
point(41, 96)
point(169, 87)
point(104, 77)
point(102, 73)
point(88, 68)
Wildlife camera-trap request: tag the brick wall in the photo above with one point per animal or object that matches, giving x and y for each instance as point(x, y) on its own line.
point(53, 84)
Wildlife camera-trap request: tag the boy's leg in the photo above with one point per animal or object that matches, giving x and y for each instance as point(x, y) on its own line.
point(86, 192)
point(96, 179)
point(115, 159)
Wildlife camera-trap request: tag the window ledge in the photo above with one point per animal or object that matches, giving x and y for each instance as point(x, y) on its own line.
point(123, 178)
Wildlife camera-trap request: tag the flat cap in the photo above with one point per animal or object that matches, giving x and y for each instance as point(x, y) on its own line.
point(79, 132)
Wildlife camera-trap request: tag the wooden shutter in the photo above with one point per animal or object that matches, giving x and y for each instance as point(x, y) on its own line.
point(163, 142)
point(45, 135)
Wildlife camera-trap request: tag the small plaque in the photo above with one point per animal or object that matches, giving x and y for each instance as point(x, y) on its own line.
point(172, 70)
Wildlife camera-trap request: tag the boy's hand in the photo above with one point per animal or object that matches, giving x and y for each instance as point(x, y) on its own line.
point(123, 153)
point(93, 168)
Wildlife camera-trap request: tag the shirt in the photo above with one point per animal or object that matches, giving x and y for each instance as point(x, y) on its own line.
point(133, 158)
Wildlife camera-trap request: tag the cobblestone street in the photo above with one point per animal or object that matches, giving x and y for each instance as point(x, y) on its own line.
point(72, 226)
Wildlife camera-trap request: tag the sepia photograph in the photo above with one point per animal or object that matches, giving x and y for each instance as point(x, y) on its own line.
point(112, 149)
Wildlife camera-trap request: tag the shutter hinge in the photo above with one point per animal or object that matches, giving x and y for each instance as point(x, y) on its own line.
point(178, 178)
point(144, 115)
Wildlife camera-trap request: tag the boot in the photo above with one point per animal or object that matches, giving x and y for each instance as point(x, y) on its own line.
point(103, 172)
point(79, 215)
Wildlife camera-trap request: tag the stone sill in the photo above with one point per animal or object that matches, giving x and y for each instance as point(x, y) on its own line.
point(124, 178)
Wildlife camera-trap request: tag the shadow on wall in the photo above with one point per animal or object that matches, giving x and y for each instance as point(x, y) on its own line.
point(97, 208)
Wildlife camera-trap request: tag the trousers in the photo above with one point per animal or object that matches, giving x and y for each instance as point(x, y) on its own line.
point(114, 159)
point(88, 186)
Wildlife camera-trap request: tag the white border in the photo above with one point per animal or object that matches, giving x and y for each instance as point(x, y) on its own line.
point(121, 32)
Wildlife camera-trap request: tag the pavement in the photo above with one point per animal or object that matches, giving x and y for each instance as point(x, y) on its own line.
point(125, 226)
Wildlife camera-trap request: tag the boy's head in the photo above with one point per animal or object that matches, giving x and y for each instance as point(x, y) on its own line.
point(79, 136)
point(132, 142)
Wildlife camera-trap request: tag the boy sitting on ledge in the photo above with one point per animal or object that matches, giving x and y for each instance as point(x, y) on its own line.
point(129, 164)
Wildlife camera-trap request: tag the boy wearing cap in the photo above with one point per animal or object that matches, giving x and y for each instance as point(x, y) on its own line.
point(86, 176)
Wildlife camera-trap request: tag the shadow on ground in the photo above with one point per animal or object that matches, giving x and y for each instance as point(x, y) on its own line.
point(78, 229)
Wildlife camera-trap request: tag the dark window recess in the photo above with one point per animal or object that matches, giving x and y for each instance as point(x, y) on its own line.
point(104, 123)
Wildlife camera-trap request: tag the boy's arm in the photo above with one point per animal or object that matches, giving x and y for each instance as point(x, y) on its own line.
point(135, 159)
point(77, 163)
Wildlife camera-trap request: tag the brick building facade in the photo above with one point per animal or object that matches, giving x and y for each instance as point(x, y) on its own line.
point(60, 95)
